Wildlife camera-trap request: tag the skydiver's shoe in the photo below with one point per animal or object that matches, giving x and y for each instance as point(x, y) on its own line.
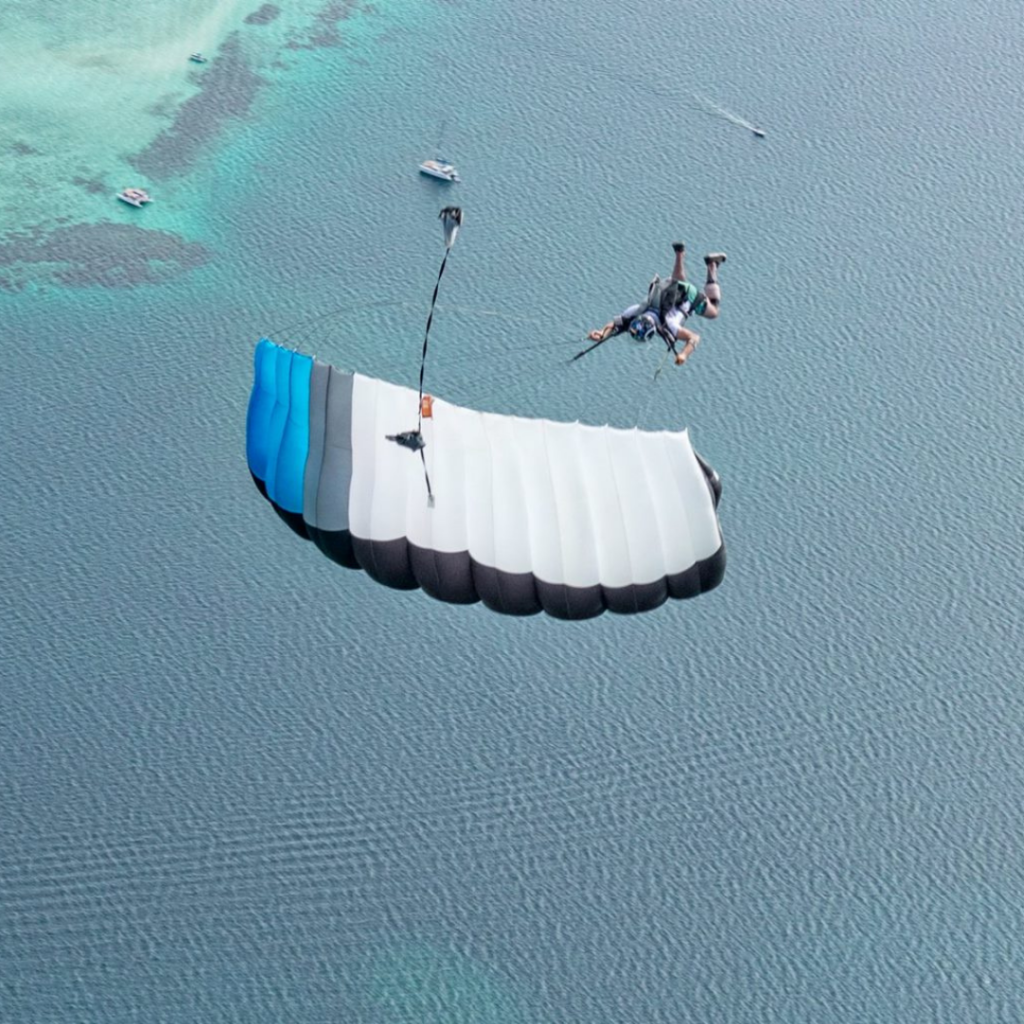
point(678, 247)
point(718, 258)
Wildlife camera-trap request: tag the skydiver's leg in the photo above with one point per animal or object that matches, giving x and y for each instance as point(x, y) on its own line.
point(712, 289)
point(679, 269)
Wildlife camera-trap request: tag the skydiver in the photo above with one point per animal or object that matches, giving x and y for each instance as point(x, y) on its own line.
point(668, 305)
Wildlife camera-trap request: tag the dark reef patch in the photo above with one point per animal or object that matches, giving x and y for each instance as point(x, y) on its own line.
point(164, 107)
point(325, 33)
point(103, 255)
point(229, 86)
point(91, 185)
point(264, 16)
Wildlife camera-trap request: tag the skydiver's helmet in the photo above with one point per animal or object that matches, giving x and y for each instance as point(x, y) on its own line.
point(643, 327)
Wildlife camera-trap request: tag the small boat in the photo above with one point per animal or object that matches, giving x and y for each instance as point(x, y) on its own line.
point(758, 133)
point(134, 196)
point(197, 58)
point(439, 168)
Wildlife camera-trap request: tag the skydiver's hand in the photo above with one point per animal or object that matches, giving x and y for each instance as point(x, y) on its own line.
point(680, 358)
point(596, 335)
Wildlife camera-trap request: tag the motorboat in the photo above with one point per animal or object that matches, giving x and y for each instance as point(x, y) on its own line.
point(440, 169)
point(134, 196)
point(197, 58)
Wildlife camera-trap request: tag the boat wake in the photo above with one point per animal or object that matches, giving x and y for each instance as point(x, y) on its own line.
point(728, 115)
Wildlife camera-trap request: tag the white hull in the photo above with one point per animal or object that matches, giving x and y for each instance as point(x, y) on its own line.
point(441, 171)
point(134, 197)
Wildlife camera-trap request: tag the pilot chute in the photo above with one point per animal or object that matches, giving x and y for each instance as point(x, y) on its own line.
point(528, 515)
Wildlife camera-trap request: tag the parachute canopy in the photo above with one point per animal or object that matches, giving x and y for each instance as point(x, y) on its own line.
point(451, 221)
point(529, 515)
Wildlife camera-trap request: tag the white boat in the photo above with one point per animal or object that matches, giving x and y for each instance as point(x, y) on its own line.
point(439, 168)
point(197, 58)
point(134, 196)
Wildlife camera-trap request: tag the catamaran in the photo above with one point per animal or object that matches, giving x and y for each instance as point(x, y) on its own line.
point(440, 168)
point(134, 196)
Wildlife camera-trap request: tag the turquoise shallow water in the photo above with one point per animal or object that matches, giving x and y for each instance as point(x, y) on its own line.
point(242, 784)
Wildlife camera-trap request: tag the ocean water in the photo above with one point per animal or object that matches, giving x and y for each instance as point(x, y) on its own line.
point(242, 784)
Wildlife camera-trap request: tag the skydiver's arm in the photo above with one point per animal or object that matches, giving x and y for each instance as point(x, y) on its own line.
point(618, 325)
point(692, 340)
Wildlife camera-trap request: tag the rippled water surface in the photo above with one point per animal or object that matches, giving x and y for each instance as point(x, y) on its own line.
point(242, 784)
